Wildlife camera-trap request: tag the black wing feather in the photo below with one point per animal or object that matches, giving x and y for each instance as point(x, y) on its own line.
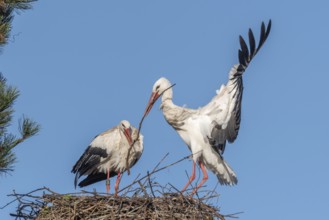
point(244, 49)
point(94, 178)
point(248, 55)
point(88, 162)
point(217, 140)
point(252, 43)
point(262, 35)
point(268, 29)
point(219, 136)
point(242, 60)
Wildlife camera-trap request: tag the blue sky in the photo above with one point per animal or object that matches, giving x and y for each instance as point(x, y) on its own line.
point(83, 67)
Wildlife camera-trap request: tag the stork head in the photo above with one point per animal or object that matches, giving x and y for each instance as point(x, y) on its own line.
point(159, 87)
point(126, 130)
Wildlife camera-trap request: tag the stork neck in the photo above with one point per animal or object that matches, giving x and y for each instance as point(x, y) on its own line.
point(167, 95)
point(166, 99)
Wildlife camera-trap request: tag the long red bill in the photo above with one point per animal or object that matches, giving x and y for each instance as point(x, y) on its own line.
point(154, 97)
point(127, 132)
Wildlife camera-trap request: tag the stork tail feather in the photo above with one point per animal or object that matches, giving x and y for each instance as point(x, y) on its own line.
point(225, 174)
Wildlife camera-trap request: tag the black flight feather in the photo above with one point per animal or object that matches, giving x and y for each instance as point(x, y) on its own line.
point(88, 162)
point(219, 136)
point(94, 178)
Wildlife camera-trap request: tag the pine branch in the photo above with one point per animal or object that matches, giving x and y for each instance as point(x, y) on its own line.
point(9, 94)
point(27, 127)
point(7, 7)
point(19, 4)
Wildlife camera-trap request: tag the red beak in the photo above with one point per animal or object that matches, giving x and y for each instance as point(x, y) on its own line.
point(154, 97)
point(127, 132)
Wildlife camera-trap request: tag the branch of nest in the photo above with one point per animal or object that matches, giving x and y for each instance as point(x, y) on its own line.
point(144, 198)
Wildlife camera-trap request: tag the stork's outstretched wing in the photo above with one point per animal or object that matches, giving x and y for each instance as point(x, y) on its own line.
point(225, 107)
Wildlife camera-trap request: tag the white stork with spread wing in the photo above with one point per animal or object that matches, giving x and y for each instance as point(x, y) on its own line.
point(207, 129)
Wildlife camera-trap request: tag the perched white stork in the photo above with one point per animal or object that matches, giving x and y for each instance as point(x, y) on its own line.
point(207, 129)
point(106, 155)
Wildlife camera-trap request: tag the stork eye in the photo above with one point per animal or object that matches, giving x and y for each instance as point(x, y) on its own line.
point(157, 88)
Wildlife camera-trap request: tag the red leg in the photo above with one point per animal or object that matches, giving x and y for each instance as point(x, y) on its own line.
point(117, 184)
point(108, 181)
point(204, 179)
point(191, 178)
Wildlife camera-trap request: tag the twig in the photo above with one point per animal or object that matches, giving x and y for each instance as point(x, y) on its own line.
point(177, 190)
point(131, 146)
point(155, 171)
point(142, 187)
point(149, 179)
point(212, 193)
point(139, 129)
point(233, 215)
point(19, 196)
point(188, 177)
point(158, 164)
point(130, 186)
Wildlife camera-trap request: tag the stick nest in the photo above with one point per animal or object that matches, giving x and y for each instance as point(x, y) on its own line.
point(96, 206)
point(144, 198)
point(109, 207)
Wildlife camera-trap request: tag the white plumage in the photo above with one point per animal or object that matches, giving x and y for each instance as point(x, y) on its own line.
point(207, 129)
point(106, 155)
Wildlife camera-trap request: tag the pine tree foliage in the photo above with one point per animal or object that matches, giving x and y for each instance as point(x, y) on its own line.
point(9, 94)
point(7, 8)
point(27, 127)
